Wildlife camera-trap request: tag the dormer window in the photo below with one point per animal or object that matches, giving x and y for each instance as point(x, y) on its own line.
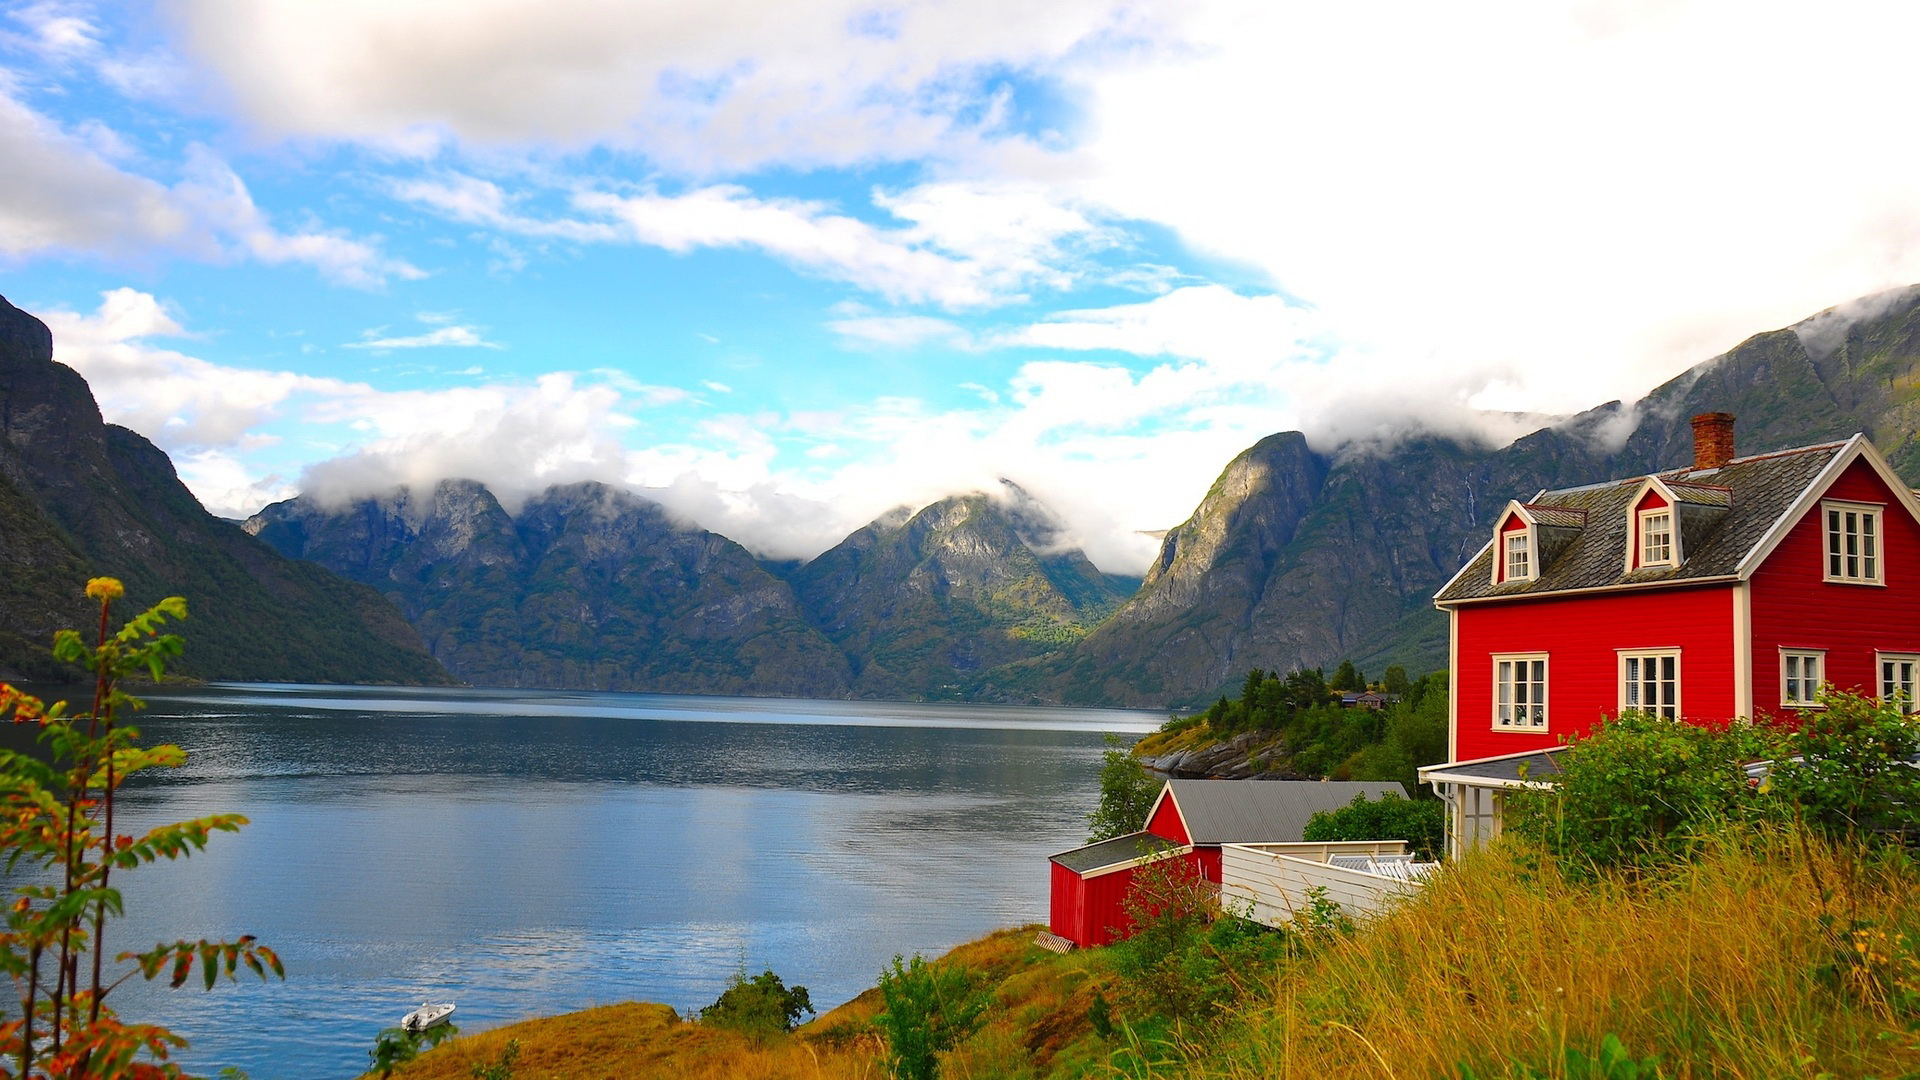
point(1656, 537)
point(1519, 548)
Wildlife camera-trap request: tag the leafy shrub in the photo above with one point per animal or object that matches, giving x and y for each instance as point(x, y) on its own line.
point(57, 818)
point(1643, 791)
point(1420, 822)
point(502, 1068)
point(929, 1008)
point(762, 1005)
point(1186, 961)
point(1850, 769)
point(395, 1046)
point(1127, 791)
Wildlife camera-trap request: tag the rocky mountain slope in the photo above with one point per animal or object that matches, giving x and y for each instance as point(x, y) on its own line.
point(922, 603)
point(587, 587)
point(1298, 558)
point(80, 497)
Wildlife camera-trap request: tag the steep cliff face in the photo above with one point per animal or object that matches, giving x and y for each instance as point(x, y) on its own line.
point(586, 588)
point(922, 603)
point(1293, 559)
point(80, 497)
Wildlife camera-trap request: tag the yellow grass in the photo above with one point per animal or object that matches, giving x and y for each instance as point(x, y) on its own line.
point(1505, 969)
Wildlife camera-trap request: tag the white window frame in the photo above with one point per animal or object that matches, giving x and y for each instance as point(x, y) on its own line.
point(1672, 556)
point(1513, 705)
point(1807, 697)
point(1629, 691)
point(1524, 534)
point(1866, 564)
point(1889, 688)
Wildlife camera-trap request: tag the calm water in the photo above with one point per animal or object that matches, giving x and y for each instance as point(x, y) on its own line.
point(526, 854)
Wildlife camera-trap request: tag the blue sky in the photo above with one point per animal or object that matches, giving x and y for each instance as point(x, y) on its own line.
point(785, 267)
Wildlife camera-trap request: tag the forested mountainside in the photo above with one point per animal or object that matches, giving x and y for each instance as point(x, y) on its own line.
point(1299, 558)
point(80, 498)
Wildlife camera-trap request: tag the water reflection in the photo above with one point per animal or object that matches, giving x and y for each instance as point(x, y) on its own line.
point(531, 853)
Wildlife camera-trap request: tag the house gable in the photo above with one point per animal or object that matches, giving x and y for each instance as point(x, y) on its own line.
point(1165, 819)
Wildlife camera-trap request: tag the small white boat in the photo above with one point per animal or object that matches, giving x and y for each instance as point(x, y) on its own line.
point(426, 1016)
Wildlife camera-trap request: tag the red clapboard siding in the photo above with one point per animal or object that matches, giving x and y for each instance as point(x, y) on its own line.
point(1580, 635)
point(1166, 822)
point(1793, 607)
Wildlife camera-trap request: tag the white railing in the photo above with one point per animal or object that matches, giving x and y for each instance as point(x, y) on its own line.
point(1270, 882)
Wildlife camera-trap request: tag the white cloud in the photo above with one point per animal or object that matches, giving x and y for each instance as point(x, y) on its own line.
point(457, 337)
point(64, 193)
point(723, 85)
point(900, 331)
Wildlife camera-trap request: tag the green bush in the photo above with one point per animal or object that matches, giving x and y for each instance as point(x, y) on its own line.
point(929, 1008)
point(1849, 770)
point(1187, 961)
point(1420, 822)
point(1643, 791)
point(762, 1005)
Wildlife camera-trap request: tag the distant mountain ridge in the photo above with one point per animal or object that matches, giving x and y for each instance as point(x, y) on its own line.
point(591, 587)
point(80, 497)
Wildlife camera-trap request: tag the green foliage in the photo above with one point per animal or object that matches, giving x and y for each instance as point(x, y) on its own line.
point(1185, 961)
point(1851, 770)
point(929, 1008)
point(502, 1068)
point(1420, 822)
point(395, 1046)
point(1643, 791)
point(57, 818)
point(762, 1005)
point(1127, 791)
point(1610, 1062)
point(1347, 677)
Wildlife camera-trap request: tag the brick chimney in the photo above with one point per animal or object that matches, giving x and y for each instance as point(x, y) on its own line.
point(1712, 440)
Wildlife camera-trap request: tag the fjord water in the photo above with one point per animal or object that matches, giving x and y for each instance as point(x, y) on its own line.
point(528, 853)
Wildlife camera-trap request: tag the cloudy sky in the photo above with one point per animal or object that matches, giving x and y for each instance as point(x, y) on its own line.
point(787, 265)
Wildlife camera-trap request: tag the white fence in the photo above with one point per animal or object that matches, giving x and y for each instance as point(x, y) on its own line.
point(1272, 880)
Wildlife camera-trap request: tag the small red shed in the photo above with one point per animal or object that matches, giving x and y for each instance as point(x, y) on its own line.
point(1189, 820)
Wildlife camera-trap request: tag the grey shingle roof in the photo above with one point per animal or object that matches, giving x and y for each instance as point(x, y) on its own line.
point(1120, 849)
point(1263, 811)
point(1724, 515)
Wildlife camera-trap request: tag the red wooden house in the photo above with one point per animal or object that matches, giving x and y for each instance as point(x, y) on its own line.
point(1735, 588)
point(1190, 820)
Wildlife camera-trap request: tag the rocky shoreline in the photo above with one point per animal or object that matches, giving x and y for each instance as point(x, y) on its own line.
point(1251, 755)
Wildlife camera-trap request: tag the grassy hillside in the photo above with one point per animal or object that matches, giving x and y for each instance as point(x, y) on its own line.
point(1770, 955)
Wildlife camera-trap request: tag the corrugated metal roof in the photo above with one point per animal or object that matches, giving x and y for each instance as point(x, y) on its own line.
point(1757, 492)
point(1120, 849)
point(1263, 811)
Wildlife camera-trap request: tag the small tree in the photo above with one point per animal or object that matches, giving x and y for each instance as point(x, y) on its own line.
point(1127, 791)
point(930, 1008)
point(762, 1005)
point(1420, 822)
point(57, 815)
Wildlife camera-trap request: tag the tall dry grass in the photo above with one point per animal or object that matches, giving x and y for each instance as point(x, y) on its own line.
point(1504, 965)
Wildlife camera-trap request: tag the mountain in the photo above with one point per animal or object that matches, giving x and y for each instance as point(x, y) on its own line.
point(80, 497)
point(1300, 558)
point(923, 603)
point(586, 587)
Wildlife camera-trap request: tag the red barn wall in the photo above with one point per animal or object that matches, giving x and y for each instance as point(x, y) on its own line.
point(1580, 634)
point(1088, 911)
point(1794, 608)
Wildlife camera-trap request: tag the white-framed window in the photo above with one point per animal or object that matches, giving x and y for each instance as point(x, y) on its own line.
point(1656, 537)
point(1518, 546)
point(1520, 692)
point(1801, 673)
point(1650, 682)
point(1853, 542)
point(1897, 671)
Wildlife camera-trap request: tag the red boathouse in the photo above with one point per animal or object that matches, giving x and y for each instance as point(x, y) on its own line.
point(1738, 587)
point(1189, 820)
